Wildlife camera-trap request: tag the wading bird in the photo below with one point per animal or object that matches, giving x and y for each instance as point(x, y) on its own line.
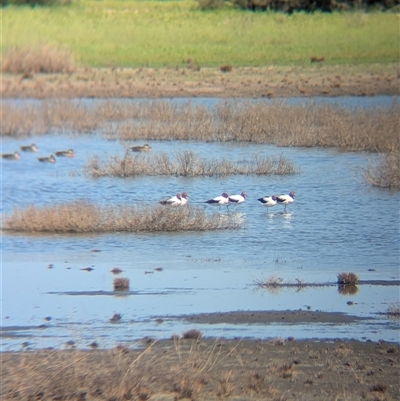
point(50, 159)
point(219, 200)
point(184, 200)
point(268, 201)
point(11, 156)
point(65, 153)
point(285, 199)
point(237, 199)
point(144, 148)
point(29, 148)
point(177, 200)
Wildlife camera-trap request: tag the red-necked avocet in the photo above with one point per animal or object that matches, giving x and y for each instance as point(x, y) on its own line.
point(237, 199)
point(268, 201)
point(285, 199)
point(177, 200)
point(219, 200)
point(184, 200)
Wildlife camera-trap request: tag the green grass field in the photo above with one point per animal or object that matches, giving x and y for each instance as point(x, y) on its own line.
point(167, 33)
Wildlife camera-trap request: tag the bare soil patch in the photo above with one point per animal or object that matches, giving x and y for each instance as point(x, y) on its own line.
point(245, 82)
point(207, 369)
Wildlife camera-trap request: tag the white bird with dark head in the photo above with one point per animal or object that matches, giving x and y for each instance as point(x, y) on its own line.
point(285, 199)
point(174, 201)
point(268, 201)
point(219, 200)
point(237, 199)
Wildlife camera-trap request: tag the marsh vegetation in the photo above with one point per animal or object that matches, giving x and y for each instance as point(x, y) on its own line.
point(85, 217)
point(305, 125)
point(186, 164)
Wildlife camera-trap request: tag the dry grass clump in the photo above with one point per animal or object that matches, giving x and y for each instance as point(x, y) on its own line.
point(192, 334)
point(84, 217)
point(121, 284)
point(185, 164)
point(347, 278)
point(38, 59)
point(385, 173)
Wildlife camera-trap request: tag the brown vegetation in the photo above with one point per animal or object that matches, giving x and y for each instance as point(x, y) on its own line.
point(37, 59)
point(84, 217)
point(306, 125)
point(185, 164)
point(347, 278)
point(121, 284)
point(385, 173)
point(205, 370)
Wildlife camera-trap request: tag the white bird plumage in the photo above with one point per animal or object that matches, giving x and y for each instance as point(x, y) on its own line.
point(268, 201)
point(285, 199)
point(177, 200)
point(237, 199)
point(219, 200)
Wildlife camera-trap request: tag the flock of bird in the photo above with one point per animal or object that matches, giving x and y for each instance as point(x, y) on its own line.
point(227, 200)
point(178, 199)
point(33, 148)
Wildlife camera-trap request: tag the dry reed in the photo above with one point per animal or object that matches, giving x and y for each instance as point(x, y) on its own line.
point(308, 125)
point(84, 217)
point(386, 173)
point(185, 164)
point(38, 59)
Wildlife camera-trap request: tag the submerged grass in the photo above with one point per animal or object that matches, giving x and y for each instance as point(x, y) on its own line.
point(185, 164)
point(84, 217)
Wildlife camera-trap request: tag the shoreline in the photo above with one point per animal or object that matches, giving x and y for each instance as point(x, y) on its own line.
point(209, 369)
point(189, 82)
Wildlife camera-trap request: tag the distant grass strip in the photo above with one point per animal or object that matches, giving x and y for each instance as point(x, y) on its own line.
point(168, 33)
point(305, 125)
point(186, 164)
point(84, 217)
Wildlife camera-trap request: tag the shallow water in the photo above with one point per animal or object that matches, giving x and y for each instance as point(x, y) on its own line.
point(337, 223)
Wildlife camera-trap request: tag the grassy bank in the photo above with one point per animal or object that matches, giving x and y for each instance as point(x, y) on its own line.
point(152, 33)
point(201, 370)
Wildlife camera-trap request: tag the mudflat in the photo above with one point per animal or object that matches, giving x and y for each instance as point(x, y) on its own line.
point(193, 81)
